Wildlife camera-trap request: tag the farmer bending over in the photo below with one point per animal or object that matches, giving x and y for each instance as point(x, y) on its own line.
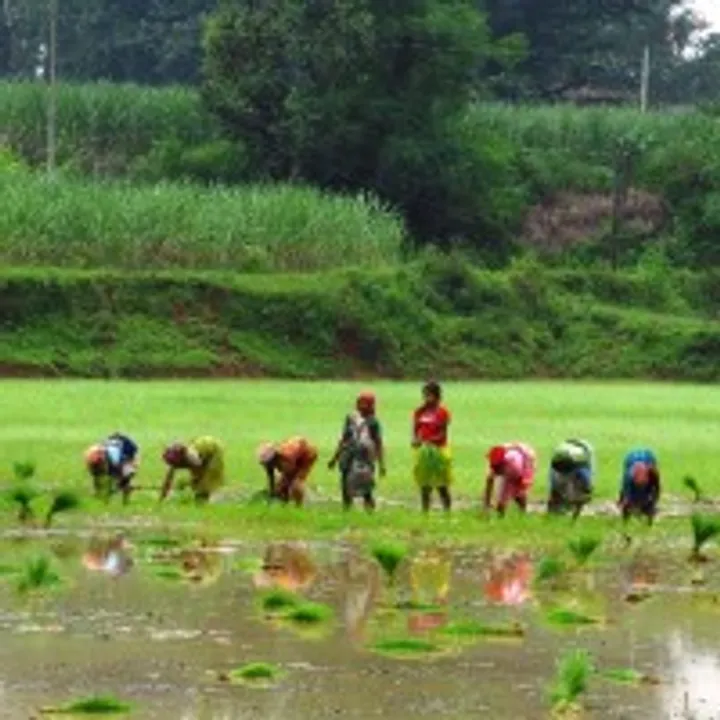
point(433, 460)
point(513, 466)
point(112, 465)
point(204, 457)
point(571, 472)
point(640, 485)
point(359, 448)
point(292, 460)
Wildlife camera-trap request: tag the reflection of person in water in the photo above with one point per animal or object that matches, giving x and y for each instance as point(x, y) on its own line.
point(430, 575)
point(108, 556)
point(508, 580)
point(201, 566)
point(287, 566)
point(360, 583)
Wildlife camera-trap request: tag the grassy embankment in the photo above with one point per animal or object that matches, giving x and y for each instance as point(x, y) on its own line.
point(95, 318)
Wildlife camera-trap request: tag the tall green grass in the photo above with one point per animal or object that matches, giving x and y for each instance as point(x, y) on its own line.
point(73, 223)
point(102, 127)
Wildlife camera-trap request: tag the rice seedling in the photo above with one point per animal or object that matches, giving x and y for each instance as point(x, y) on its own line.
point(37, 574)
point(565, 617)
point(628, 676)
point(573, 674)
point(308, 613)
point(22, 496)
point(64, 501)
point(417, 606)
point(168, 572)
point(704, 529)
point(473, 629)
point(406, 648)
point(549, 568)
point(24, 471)
point(389, 554)
point(256, 674)
point(95, 705)
point(278, 601)
point(583, 547)
point(693, 486)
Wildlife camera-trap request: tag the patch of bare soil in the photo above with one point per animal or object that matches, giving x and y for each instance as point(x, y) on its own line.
point(568, 218)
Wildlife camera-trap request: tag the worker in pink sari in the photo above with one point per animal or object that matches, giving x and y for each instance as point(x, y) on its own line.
point(512, 467)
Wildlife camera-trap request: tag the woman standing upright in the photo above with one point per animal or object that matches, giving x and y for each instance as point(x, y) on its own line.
point(433, 462)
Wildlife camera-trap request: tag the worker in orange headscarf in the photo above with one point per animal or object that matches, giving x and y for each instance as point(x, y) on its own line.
point(292, 460)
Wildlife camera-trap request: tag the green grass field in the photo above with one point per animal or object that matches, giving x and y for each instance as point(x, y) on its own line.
point(52, 422)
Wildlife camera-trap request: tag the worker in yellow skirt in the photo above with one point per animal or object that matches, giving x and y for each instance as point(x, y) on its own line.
point(433, 460)
point(204, 457)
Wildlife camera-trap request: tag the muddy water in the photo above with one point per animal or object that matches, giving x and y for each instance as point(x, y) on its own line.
point(122, 623)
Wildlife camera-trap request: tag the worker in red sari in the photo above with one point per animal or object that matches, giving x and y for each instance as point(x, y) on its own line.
point(433, 460)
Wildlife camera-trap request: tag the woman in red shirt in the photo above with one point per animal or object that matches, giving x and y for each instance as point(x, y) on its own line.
point(430, 427)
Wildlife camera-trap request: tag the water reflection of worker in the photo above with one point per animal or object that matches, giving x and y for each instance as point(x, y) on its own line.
point(508, 580)
point(360, 583)
point(108, 556)
point(287, 566)
point(430, 573)
point(202, 565)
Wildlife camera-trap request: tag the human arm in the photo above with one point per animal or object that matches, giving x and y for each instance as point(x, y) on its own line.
point(270, 472)
point(167, 483)
point(489, 486)
point(415, 430)
point(344, 438)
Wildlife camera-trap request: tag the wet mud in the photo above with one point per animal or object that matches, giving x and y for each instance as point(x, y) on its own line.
point(163, 627)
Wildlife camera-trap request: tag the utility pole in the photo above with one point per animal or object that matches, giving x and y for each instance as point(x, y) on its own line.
point(52, 99)
point(645, 80)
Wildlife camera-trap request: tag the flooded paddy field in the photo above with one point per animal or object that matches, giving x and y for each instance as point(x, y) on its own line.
point(162, 623)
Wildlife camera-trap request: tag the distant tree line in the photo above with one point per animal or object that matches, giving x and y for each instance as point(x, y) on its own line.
point(564, 45)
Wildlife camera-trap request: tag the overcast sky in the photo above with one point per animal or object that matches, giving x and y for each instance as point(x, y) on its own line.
point(710, 9)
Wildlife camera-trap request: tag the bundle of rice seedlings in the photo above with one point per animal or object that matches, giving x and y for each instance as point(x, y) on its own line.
point(23, 496)
point(24, 471)
point(574, 671)
point(549, 568)
point(308, 613)
point(583, 547)
point(96, 705)
point(278, 602)
point(256, 674)
point(389, 554)
point(566, 617)
point(408, 647)
point(704, 528)
point(37, 574)
point(693, 486)
point(64, 501)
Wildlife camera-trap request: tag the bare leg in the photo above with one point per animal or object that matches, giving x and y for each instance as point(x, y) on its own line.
point(297, 493)
point(521, 502)
point(369, 502)
point(445, 498)
point(425, 498)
